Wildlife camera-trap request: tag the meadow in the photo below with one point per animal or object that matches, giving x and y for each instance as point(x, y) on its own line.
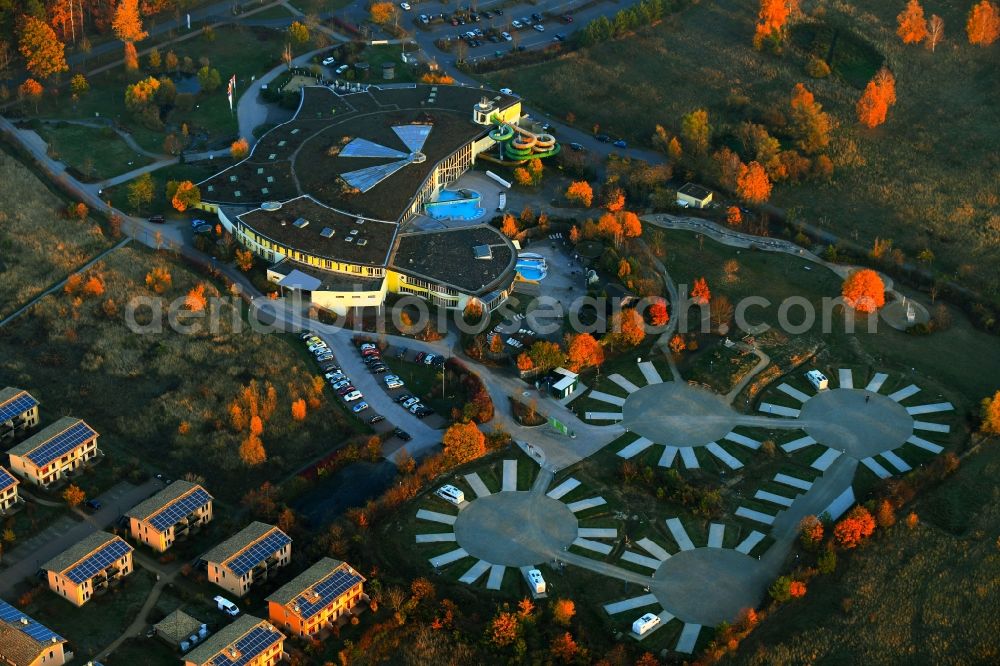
point(926, 178)
point(39, 246)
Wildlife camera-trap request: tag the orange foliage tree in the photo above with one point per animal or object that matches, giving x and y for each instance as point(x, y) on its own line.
point(613, 199)
point(382, 12)
point(504, 629)
point(127, 25)
point(879, 95)
point(772, 19)
point(658, 314)
point(508, 227)
point(31, 90)
point(524, 362)
point(239, 149)
point(44, 54)
point(563, 611)
point(244, 260)
point(522, 177)
point(885, 514)
point(252, 451)
point(991, 415)
point(677, 344)
point(628, 327)
point(74, 495)
point(183, 195)
point(580, 192)
point(753, 183)
point(733, 216)
point(195, 299)
point(857, 526)
point(810, 531)
point(912, 24)
point(94, 286)
point(159, 279)
point(299, 410)
point(439, 78)
point(631, 225)
point(564, 647)
point(700, 293)
point(584, 351)
point(463, 442)
point(797, 589)
point(864, 290)
point(983, 26)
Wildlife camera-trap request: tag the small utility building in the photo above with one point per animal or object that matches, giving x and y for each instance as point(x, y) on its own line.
point(694, 196)
point(565, 382)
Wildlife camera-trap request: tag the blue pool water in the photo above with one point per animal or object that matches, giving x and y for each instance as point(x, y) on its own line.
point(531, 267)
point(451, 205)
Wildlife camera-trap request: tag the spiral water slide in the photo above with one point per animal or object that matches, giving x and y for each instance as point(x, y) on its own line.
point(519, 144)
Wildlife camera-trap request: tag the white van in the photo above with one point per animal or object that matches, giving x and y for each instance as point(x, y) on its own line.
point(227, 606)
point(451, 494)
point(645, 623)
point(536, 581)
point(818, 380)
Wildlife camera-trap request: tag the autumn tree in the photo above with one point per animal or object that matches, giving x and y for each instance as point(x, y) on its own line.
point(854, 528)
point(563, 611)
point(935, 31)
point(298, 33)
point(382, 12)
point(564, 648)
point(613, 198)
point(630, 223)
point(508, 226)
point(183, 194)
point(733, 216)
point(700, 293)
point(463, 442)
point(159, 279)
point(505, 628)
point(79, 85)
point(772, 20)
point(677, 344)
point(244, 260)
point(127, 26)
point(696, 131)
point(195, 299)
point(299, 409)
point(810, 124)
point(658, 314)
point(628, 328)
point(546, 355)
point(584, 351)
point(524, 362)
point(873, 106)
point(797, 589)
point(140, 192)
point(252, 451)
point(983, 26)
point(753, 184)
point(885, 514)
point(31, 91)
point(239, 149)
point(991, 415)
point(864, 290)
point(580, 193)
point(74, 495)
point(912, 24)
point(810, 532)
point(44, 54)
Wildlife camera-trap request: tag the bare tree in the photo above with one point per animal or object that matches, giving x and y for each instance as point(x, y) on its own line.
point(461, 50)
point(935, 32)
point(5, 54)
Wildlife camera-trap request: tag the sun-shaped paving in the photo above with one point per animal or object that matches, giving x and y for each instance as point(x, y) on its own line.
point(412, 136)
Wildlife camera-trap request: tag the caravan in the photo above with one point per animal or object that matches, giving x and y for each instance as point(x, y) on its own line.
point(645, 623)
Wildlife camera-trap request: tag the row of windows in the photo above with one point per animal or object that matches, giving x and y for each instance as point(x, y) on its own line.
point(268, 249)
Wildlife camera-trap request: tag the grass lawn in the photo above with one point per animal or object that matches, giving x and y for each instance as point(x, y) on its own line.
point(195, 172)
point(925, 191)
point(162, 399)
point(91, 628)
point(38, 247)
point(237, 50)
point(910, 591)
point(78, 146)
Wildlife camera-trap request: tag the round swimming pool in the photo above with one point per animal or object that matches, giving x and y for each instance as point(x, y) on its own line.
point(531, 267)
point(455, 205)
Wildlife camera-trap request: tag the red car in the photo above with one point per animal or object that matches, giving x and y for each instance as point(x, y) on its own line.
point(344, 391)
point(566, 18)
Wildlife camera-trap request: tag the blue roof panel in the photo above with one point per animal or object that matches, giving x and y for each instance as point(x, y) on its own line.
point(321, 594)
point(184, 506)
point(25, 624)
point(16, 406)
point(98, 561)
point(258, 552)
point(6, 479)
point(61, 444)
point(256, 641)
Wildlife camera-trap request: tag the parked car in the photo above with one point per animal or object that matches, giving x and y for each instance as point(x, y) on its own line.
point(395, 384)
point(329, 61)
point(498, 12)
point(378, 368)
point(305, 335)
point(539, 27)
point(423, 412)
point(536, 16)
point(375, 419)
point(516, 24)
point(367, 345)
point(227, 606)
point(414, 408)
point(566, 18)
point(405, 6)
point(340, 70)
point(620, 143)
point(506, 91)
point(559, 37)
point(412, 401)
point(344, 390)
point(360, 407)
point(505, 36)
point(603, 138)
point(402, 434)
point(403, 398)
point(425, 19)
point(352, 396)
point(341, 383)
point(576, 146)
point(325, 357)
point(93, 504)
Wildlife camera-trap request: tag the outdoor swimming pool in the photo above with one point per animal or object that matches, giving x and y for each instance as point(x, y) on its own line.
point(451, 205)
point(531, 267)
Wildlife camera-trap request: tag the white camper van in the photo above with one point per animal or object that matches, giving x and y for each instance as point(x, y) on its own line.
point(227, 606)
point(818, 380)
point(451, 494)
point(536, 581)
point(645, 623)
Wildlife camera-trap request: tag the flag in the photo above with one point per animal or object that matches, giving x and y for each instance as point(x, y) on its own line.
point(231, 89)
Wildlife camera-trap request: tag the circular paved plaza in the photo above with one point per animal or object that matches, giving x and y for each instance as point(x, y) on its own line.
point(677, 414)
point(844, 420)
point(709, 585)
point(515, 528)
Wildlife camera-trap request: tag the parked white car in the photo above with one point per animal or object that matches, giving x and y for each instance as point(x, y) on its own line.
point(352, 396)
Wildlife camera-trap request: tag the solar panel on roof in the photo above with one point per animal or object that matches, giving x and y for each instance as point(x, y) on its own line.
point(6, 479)
point(252, 644)
point(61, 444)
point(19, 405)
point(259, 552)
point(326, 591)
point(26, 625)
point(99, 561)
point(170, 514)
